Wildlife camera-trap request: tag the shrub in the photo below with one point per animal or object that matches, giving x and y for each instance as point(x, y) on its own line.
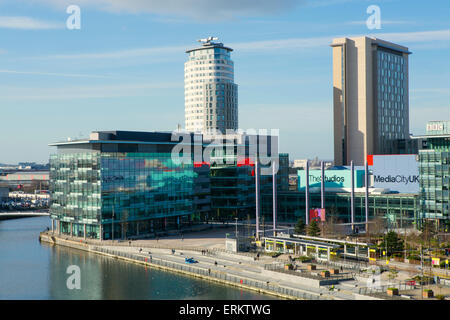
point(304, 258)
point(413, 257)
point(440, 297)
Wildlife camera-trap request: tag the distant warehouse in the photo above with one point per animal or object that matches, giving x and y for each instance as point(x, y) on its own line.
point(31, 180)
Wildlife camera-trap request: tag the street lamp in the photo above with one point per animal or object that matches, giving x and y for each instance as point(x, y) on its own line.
point(112, 225)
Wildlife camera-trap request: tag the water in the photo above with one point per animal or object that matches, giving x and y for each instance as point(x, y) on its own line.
point(33, 270)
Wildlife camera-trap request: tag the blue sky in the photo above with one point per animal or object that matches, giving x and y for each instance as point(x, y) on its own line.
point(124, 68)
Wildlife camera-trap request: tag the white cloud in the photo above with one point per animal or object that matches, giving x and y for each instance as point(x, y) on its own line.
point(435, 37)
point(432, 90)
point(326, 3)
point(120, 54)
point(383, 22)
point(83, 92)
point(197, 9)
point(292, 43)
point(27, 23)
point(417, 36)
point(73, 75)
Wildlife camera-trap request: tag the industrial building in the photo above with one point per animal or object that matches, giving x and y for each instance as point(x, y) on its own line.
point(25, 180)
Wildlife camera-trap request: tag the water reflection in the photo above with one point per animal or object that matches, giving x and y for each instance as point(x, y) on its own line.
point(38, 271)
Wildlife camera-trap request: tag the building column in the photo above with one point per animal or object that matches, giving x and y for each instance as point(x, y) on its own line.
point(52, 225)
point(71, 229)
point(328, 253)
point(84, 227)
point(137, 228)
point(121, 231)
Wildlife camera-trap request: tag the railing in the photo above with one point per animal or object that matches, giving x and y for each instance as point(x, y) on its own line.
point(216, 274)
point(346, 265)
point(303, 273)
point(437, 272)
point(383, 288)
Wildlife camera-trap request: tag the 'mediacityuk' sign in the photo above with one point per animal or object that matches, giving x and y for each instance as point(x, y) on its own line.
point(399, 173)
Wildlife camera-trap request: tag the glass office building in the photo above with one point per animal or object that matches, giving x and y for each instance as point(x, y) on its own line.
point(434, 169)
point(122, 184)
point(232, 173)
point(397, 210)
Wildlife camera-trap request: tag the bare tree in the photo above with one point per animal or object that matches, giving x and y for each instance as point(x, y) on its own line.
point(377, 226)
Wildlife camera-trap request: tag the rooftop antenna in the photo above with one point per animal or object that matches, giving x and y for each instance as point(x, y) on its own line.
point(208, 40)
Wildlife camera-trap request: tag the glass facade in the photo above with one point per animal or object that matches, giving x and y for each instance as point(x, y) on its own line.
point(132, 193)
point(232, 191)
point(398, 210)
point(392, 99)
point(434, 168)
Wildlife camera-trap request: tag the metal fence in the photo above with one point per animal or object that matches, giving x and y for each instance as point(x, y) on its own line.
point(383, 288)
point(347, 265)
point(216, 274)
point(277, 267)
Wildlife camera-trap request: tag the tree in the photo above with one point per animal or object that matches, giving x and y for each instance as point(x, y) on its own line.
point(300, 227)
point(392, 243)
point(313, 229)
point(428, 231)
point(330, 227)
point(377, 225)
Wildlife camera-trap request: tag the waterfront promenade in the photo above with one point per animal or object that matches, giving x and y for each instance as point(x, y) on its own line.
point(216, 264)
point(264, 274)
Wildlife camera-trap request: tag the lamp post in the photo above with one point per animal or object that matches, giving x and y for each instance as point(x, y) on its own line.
point(257, 172)
point(112, 225)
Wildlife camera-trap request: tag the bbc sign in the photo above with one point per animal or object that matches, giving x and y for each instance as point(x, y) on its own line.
point(399, 173)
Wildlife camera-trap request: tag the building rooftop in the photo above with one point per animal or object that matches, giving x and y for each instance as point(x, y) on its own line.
point(375, 41)
point(117, 136)
point(207, 44)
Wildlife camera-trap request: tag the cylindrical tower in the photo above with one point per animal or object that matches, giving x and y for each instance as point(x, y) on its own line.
point(210, 94)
